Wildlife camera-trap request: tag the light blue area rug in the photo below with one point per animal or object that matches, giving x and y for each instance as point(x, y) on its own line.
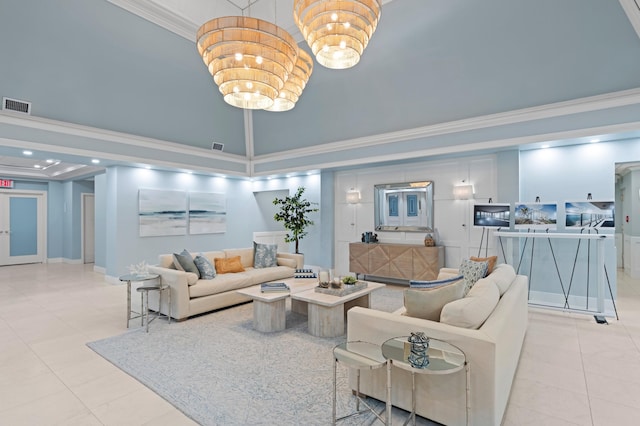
point(218, 370)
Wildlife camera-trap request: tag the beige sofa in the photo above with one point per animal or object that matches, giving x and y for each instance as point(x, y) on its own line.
point(492, 351)
point(191, 296)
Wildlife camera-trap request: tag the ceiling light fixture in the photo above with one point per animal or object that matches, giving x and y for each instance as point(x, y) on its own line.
point(250, 59)
point(27, 153)
point(295, 84)
point(95, 161)
point(337, 31)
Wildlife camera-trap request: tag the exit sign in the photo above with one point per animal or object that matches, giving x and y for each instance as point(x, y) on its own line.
point(6, 183)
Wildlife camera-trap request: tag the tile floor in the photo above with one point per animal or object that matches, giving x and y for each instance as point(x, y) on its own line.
point(572, 371)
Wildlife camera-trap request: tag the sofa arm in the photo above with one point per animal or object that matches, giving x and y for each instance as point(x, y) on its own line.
point(299, 258)
point(177, 281)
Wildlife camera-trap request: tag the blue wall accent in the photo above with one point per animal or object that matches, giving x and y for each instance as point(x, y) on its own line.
point(100, 235)
point(23, 213)
point(55, 220)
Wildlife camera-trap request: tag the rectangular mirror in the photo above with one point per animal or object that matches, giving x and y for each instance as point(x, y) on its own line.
point(404, 206)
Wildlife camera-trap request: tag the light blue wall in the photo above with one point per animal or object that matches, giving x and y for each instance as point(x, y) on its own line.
point(100, 234)
point(55, 220)
point(124, 247)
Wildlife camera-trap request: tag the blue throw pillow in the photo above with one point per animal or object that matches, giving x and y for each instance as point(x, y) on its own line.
point(433, 283)
point(472, 272)
point(206, 268)
point(183, 261)
point(264, 255)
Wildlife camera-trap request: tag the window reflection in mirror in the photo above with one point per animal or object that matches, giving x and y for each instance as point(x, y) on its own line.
point(404, 206)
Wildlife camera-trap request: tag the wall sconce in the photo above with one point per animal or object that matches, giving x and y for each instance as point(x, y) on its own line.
point(353, 196)
point(463, 192)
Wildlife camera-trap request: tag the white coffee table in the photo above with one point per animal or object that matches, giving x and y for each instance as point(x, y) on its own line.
point(327, 312)
point(269, 309)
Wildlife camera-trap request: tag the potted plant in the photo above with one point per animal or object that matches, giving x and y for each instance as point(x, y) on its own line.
point(294, 211)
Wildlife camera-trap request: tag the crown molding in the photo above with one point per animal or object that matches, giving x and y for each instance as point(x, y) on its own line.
point(632, 9)
point(592, 103)
point(161, 16)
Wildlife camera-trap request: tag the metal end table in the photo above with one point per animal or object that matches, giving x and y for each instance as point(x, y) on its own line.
point(144, 303)
point(361, 356)
point(129, 278)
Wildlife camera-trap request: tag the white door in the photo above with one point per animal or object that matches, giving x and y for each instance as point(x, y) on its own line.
point(22, 227)
point(88, 228)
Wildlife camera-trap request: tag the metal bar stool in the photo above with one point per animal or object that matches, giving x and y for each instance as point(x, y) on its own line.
point(144, 303)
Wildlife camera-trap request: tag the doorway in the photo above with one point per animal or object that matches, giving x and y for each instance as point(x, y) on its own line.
point(22, 227)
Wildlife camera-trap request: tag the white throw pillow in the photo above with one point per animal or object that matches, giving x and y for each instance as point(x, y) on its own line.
point(426, 303)
point(474, 309)
point(503, 275)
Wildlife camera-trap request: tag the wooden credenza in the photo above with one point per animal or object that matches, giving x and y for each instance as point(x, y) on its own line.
point(398, 261)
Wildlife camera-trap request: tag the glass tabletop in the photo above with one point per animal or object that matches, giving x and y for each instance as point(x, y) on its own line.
point(444, 358)
point(359, 354)
point(138, 277)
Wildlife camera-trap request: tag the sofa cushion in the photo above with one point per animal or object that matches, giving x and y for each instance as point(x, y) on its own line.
point(206, 268)
point(183, 261)
point(426, 303)
point(264, 255)
point(246, 255)
point(434, 283)
point(192, 278)
point(503, 275)
point(491, 259)
point(474, 309)
point(285, 261)
point(472, 272)
point(262, 275)
point(228, 265)
point(220, 284)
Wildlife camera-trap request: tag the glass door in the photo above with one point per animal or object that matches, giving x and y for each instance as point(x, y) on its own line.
point(22, 228)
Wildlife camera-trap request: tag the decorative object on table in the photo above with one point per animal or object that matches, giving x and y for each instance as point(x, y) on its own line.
point(140, 269)
point(305, 273)
point(369, 237)
point(349, 280)
point(336, 283)
point(273, 287)
point(429, 241)
point(323, 279)
point(294, 211)
point(418, 357)
point(343, 291)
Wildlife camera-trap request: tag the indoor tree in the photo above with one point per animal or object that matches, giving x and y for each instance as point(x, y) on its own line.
point(294, 211)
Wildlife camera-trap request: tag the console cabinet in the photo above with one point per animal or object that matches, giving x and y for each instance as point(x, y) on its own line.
point(398, 261)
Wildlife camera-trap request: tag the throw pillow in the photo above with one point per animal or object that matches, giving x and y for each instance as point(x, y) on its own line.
point(183, 261)
point(434, 283)
point(472, 272)
point(491, 259)
point(264, 255)
point(207, 271)
point(426, 303)
point(472, 311)
point(228, 265)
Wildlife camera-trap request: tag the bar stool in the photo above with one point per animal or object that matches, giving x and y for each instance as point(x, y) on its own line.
point(144, 303)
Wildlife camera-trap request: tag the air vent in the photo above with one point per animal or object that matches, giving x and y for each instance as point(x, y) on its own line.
point(216, 146)
point(16, 105)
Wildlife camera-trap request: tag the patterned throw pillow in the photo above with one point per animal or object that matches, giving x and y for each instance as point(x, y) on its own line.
point(264, 255)
point(472, 272)
point(183, 261)
point(491, 259)
point(207, 271)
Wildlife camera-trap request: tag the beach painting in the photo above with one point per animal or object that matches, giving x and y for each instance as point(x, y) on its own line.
point(491, 215)
point(162, 212)
point(536, 216)
point(589, 214)
point(207, 213)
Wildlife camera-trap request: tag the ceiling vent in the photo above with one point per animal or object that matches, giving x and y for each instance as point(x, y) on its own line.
point(16, 105)
point(217, 146)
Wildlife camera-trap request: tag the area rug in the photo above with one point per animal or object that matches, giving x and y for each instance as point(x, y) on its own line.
point(218, 370)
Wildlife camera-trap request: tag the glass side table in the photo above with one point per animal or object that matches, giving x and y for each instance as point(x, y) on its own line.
point(129, 278)
point(444, 358)
point(361, 356)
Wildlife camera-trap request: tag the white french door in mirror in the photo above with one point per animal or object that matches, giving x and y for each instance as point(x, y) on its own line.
point(22, 227)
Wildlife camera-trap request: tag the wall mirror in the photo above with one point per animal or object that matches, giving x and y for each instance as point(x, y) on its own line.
point(404, 206)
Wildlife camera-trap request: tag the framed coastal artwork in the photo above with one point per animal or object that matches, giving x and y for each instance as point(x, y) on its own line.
point(589, 214)
point(536, 216)
point(207, 213)
point(492, 215)
point(162, 212)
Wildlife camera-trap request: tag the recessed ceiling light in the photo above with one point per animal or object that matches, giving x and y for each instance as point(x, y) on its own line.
point(545, 146)
point(50, 161)
point(95, 161)
point(147, 167)
point(594, 140)
point(37, 166)
point(27, 153)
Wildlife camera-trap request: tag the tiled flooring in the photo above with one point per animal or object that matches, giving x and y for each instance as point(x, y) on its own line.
point(572, 371)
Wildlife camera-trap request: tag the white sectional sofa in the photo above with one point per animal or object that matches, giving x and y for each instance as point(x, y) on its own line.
point(191, 295)
point(492, 351)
